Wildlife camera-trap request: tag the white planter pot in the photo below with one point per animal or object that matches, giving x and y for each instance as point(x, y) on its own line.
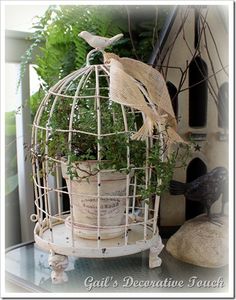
point(85, 209)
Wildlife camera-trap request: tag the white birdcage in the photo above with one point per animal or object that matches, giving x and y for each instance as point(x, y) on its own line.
point(106, 215)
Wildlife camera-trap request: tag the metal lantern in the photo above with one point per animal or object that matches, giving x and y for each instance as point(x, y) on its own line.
point(83, 207)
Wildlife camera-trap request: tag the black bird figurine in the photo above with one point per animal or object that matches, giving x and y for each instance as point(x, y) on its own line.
point(205, 189)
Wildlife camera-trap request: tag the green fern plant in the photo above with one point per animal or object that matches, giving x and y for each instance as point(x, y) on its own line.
point(61, 51)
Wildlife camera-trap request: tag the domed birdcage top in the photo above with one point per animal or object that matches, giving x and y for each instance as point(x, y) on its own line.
point(82, 116)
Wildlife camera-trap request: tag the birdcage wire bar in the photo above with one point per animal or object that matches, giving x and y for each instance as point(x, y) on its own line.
point(55, 227)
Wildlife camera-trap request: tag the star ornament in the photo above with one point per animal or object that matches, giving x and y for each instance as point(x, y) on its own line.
point(197, 147)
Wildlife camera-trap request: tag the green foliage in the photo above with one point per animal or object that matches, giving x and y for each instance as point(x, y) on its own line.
point(113, 148)
point(62, 51)
point(163, 166)
point(35, 100)
point(84, 146)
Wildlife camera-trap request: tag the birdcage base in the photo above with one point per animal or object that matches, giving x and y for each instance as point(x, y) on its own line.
point(56, 238)
point(59, 239)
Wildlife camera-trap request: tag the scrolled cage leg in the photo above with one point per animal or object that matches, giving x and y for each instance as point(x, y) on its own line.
point(58, 263)
point(154, 260)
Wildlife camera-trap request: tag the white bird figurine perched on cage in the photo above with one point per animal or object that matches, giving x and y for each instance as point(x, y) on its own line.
point(99, 42)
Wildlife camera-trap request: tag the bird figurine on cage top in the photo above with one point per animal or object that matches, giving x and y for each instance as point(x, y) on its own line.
point(99, 42)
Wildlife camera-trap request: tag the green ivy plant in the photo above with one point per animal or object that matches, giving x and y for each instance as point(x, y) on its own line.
point(113, 148)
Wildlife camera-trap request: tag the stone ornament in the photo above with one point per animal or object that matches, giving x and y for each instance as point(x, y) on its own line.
point(201, 242)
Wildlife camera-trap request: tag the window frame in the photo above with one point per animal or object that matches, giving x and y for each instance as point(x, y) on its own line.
point(16, 44)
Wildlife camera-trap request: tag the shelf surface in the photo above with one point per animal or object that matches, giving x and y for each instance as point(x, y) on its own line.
point(27, 267)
